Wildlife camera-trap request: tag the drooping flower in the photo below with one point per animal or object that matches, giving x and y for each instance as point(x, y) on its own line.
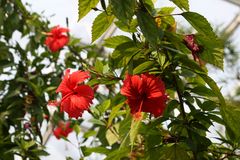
point(145, 93)
point(76, 96)
point(57, 38)
point(193, 46)
point(62, 130)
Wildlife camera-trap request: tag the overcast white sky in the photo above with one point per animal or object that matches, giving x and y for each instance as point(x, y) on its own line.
point(218, 12)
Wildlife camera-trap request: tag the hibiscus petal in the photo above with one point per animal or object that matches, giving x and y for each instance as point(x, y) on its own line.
point(48, 41)
point(77, 77)
point(63, 87)
point(70, 108)
point(80, 102)
point(84, 91)
point(154, 106)
point(132, 86)
point(137, 83)
point(134, 104)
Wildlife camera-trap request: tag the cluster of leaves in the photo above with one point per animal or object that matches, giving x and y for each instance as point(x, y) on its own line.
point(30, 75)
point(154, 46)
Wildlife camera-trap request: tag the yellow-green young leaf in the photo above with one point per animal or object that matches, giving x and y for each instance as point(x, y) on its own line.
point(84, 6)
point(123, 9)
point(77, 128)
point(113, 42)
point(111, 136)
point(98, 66)
point(143, 67)
point(88, 151)
point(182, 4)
point(148, 27)
point(135, 125)
point(101, 23)
point(104, 105)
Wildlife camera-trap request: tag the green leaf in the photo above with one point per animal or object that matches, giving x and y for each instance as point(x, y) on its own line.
point(213, 50)
point(200, 23)
point(113, 42)
point(231, 116)
point(111, 136)
point(1, 16)
point(89, 134)
point(168, 152)
point(77, 128)
point(208, 106)
point(97, 121)
point(149, 6)
point(88, 151)
point(182, 4)
point(135, 125)
point(127, 28)
point(84, 6)
point(203, 91)
point(148, 27)
point(143, 67)
point(212, 46)
point(101, 23)
point(198, 70)
point(104, 106)
point(98, 66)
point(123, 9)
point(118, 154)
point(114, 113)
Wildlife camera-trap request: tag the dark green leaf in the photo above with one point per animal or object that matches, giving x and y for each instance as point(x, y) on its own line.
point(231, 116)
point(148, 27)
point(123, 9)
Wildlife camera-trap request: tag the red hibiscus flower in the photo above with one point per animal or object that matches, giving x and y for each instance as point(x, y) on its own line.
point(57, 38)
point(62, 130)
point(193, 46)
point(145, 93)
point(76, 97)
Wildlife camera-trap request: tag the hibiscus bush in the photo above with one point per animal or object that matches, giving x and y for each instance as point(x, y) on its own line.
point(148, 96)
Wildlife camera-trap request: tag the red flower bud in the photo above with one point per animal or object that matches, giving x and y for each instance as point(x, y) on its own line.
point(27, 125)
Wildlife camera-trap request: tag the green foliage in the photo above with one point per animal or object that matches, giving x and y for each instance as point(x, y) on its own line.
point(101, 24)
point(182, 4)
point(148, 27)
point(212, 46)
point(152, 44)
point(84, 6)
point(124, 9)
